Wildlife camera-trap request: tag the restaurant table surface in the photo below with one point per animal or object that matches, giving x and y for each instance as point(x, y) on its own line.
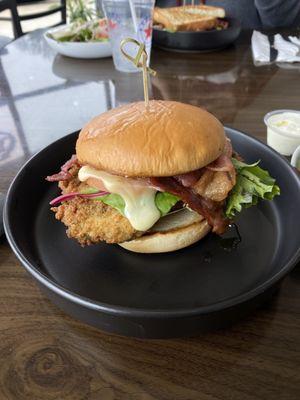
point(46, 354)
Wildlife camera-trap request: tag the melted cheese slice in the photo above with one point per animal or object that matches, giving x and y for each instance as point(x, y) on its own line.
point(140, 208)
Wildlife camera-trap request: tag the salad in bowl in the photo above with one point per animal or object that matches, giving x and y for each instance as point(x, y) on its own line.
point(88, 39)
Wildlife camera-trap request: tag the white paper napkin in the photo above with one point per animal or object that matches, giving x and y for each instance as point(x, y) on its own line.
point(260, 47)
point(287, 51)
point(295, 40)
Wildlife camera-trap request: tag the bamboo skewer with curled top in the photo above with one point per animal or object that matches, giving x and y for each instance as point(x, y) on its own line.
point(140, 61)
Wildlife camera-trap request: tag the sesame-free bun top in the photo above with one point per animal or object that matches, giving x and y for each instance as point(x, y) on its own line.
point(164, 139)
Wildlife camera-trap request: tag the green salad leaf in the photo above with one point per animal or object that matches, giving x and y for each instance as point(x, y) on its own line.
point(164, 201)
point(252, 183)
point(89, 190)
point(113, 200)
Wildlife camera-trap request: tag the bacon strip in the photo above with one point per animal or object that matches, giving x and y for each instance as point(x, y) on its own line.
point(64, 174)
point(210, 210)
point(223, 163)
point(190, 178)
point(228, 148)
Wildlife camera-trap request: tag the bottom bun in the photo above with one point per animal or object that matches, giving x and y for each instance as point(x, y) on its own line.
point(170, 233)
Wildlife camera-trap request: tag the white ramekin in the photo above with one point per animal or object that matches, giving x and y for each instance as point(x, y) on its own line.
point(281, 141)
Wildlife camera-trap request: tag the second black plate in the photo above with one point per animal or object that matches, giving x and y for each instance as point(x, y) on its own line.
point(203, 41)
point(160, 295)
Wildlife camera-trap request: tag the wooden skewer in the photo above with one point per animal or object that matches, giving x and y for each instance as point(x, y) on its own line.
point(140, 61)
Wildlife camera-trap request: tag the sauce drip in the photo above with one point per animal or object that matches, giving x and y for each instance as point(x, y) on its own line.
point(231, 239)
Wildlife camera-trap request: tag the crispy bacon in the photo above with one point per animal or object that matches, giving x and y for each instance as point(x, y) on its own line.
point(64, 174)
point(228, 148)
point(210, 210)
point(223, 163)
point(190, 178)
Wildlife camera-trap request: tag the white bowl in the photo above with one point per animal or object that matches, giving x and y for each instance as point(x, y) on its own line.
point(78, 49)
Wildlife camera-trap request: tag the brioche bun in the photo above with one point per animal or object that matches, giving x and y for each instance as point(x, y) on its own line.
point(172, 232)
point(164, 139)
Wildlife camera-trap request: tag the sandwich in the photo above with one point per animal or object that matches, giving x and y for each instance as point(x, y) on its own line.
point(188, 18)
point(154, 179)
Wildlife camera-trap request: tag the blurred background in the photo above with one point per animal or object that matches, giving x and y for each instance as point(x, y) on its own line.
point(30, 7)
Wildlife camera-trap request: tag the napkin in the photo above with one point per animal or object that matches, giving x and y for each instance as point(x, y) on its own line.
point(287, 51)
point(260, 47)
point(295, 40)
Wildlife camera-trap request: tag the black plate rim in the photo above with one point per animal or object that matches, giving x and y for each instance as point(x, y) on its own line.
point(229, 19)
point(138, 312)
point(176, 50)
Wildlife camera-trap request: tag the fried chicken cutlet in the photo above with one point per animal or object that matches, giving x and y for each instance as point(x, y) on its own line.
point(88, 220)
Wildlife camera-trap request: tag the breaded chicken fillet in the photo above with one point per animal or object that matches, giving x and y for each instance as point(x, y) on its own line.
point(88, 220)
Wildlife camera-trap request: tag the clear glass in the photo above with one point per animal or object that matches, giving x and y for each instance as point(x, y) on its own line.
point(121, 25)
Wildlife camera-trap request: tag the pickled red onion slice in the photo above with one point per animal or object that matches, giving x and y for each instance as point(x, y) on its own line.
point(69, 196)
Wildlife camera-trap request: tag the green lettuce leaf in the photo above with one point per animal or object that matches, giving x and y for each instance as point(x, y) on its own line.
point(252, 183)
point(164, 201)
point(113, 200)
point(89, 190)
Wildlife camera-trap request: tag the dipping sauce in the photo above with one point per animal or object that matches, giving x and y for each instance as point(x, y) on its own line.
point(283, 130)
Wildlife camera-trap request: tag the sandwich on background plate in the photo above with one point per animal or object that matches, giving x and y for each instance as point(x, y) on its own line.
point(155, 179)
point(190, 18)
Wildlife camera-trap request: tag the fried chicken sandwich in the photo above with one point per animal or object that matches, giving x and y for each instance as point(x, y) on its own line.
point(154, 179)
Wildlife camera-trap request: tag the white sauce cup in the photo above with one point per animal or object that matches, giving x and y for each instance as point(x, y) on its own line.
point(282, 136)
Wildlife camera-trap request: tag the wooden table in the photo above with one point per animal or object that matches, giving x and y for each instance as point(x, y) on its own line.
point(47, 355)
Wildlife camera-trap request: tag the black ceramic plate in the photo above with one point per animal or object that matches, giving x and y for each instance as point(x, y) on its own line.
point(197, 41)
point(181, 293)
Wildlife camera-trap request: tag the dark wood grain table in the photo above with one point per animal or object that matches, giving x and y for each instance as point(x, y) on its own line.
point(44, 354)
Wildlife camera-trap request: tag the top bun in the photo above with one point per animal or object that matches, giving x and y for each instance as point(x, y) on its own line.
point(164, 139)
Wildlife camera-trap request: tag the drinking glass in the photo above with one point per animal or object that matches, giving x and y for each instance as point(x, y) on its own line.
point(128, 18)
